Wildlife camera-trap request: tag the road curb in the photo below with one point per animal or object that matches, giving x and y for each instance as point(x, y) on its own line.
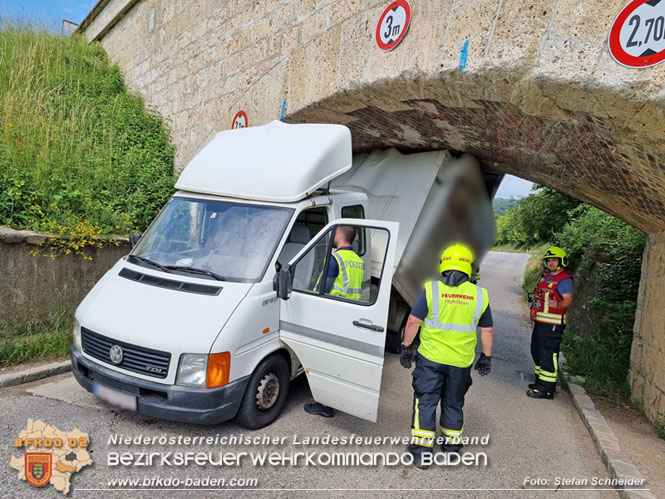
point(618, 463)
point(35, 373)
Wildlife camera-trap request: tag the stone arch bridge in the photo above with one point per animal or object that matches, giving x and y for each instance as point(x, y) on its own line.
point(530, 88)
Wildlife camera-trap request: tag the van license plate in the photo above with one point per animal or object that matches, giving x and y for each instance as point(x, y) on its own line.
point(114, 397)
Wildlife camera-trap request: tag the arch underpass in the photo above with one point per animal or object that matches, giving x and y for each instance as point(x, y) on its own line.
point(530, 89)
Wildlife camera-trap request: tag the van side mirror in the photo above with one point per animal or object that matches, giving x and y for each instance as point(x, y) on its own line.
point(284, 282)
point(134, 238)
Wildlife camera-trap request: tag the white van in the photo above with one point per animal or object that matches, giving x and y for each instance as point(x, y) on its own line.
point(223, 300)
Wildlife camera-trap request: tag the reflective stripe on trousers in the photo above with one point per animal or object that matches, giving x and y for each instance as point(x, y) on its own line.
point(423, 438)
point(550, 376)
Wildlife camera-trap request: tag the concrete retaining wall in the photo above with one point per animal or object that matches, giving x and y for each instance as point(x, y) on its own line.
point(36, 288)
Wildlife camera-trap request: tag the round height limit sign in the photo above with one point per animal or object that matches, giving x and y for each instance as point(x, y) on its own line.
point(393, 24)
point(240, 120)
point(637, 37)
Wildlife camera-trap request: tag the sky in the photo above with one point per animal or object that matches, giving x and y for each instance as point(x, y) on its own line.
point(47, 10)
point(513, 187)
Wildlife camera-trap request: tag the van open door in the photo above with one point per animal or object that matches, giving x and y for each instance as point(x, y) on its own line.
point(337, 329)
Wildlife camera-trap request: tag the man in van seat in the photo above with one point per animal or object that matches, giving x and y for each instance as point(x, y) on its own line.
point(549, 311)
point(344, 278)
point(346, 270)
point(449, 310)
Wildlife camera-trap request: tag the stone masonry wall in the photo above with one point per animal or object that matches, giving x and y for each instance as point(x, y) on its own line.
point(647, 374)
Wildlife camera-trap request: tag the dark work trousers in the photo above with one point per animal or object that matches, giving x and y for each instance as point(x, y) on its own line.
point(434, 383)
point(545, 344)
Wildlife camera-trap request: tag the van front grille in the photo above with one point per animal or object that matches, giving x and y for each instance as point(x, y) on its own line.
point(137, 359)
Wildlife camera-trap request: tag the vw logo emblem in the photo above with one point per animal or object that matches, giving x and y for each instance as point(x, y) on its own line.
point(116, 354)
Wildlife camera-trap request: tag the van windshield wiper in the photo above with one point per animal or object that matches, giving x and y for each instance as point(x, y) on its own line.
point(194, 270)
point(151, 262)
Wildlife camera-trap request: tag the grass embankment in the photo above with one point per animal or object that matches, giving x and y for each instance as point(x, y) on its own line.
point(77, 152)
point(36, 341)
point(80, 157)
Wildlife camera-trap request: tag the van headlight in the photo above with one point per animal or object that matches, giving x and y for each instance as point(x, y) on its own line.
point(192, 369)
point(76, 335)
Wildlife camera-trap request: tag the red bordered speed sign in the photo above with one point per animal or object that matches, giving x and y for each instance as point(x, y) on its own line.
point(240, 120)
point(393, 24)
point(637, 37)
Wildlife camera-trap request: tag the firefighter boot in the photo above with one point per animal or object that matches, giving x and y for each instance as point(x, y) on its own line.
point(537, 394)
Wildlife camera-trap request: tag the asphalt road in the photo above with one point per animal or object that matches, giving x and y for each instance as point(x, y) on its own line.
point(544, 440)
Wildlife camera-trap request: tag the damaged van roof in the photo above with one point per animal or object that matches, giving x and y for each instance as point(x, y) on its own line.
point(276, 162)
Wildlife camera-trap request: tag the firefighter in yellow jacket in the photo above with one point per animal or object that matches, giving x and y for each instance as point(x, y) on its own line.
point(449, 310)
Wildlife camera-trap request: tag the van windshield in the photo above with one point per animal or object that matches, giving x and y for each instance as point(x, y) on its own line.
point(213, 239)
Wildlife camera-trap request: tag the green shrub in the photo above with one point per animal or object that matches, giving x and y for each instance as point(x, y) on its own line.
point(609, 252)
point(79, 155)
point(603, 361)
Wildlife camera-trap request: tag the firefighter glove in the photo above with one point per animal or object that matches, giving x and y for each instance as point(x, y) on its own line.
point(484, 365)
point(406, 356)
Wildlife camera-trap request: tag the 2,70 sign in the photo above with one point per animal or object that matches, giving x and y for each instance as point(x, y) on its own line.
point(637, 37)
point(654, 31)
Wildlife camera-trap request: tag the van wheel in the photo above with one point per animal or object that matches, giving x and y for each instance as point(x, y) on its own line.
point(266, 393)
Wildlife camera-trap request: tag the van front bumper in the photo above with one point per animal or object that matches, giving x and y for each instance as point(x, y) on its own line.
point(170, 402)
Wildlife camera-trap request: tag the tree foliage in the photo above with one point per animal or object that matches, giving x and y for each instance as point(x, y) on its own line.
point(501, 205)
point(538, 218)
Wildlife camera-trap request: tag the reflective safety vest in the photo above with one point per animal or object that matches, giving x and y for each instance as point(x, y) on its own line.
point(448, 334)
point(349, 280)
point(546, 291)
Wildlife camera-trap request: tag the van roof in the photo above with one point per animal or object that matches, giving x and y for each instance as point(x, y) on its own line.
point(274, 162)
